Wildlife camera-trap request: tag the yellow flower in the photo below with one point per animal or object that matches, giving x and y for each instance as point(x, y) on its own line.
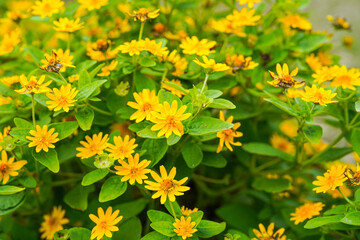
point(52, 223)
point(346, 78)
point(153, 47)
point(105, 71)
point(8, 167)
point(227, 136)
point(46, 8)
point(284, 79)
point(336, 194)
point(192, 46)
point(133, 170)
point(339, 23)
point(239, 62)
point(318, 95)
point(282, 144)
point(133, 47)
point(289, 127)
point(93, 146)
point(67, 25)
point(5, 133)
point(92, 4)
point(332, 179)
point(143, 14)
point(33, 85)
point(171, 89)
point(325, 58)
point(62, 98)
point(4, 100)
point(211, 64)
point(324, 74)
point(293, 93)
point(122, 148)
point(43, 138)
point(180, 35)
point(100, 50)
point(165, 185)
point(296, 21)
point(186, 211)
point(313, 62)
point(168, 119)
point(306, 211)
point(146, 103)
point(9, 42)
point(105, 223)
point(8, 81)
point(268, 234)
point(224, 25)
point(179, 63)
point(184, 228)
point(353, 176)
point(250, 3)
point(73, 78)
point(57, 62)
point(244, 17)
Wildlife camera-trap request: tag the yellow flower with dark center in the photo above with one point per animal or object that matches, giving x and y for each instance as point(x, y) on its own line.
point(58, 61)
point(33, 85)
point(93, 4)
point(62, 98)
point(144, 14)
point(43, 138)
point(105, 223)
point(133, 48)
point(46, 8)
point(250, 3)
point(296, 21)
point(332, 179)
point(238, 62)
point(146, 103)
point(284, 79)
point(173, 57)
point(269, 234)
point(52, 223)
point(9, 42)
point(318, 95)
point(339, 23)
point(192, 46)
point(289, 127)
point(8, 167)
point(105, 71)
point(153, 47)
point(325, 74)
point(3, 134)
point(169, 119)
point(93, 146)
point(122, 148)
point(67, 25)
point(211, 64)
point(227, 136)
point(186, 211)
point(133, 170)
point(244, 17)
point(165, 185)
point(346, 78)
point(171, 89)
point(306, 211)
point(313, 62)
point(184, 228)
point(353, 176)
point(8, 81)
point(282, 144)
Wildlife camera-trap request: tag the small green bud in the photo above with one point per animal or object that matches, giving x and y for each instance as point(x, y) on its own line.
point(122, 89)
point(103, 161)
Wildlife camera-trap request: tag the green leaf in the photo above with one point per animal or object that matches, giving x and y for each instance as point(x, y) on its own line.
point(321, 221)
point(77, 198)
point(267, 150)
point(352, 218)
point(357, 195)
point(155, 149)
point(84, 79)
point(336, 210)
point(85, 65)
point(165, 228)
point(313, 133)
point(129, 230)
point(148, 133)
point(88, 89)
point(94, 176)
point(35, 53)
point(221, 104)
point(207, 229)
point(355, 140)
point(112, 188)
point(330, 155)
point(165, 96)
point(64, 129)
point(155, 236)
point(357, 106)
point(9, 203)
point(79, 233)
point(238, 216)
point(214, 160)
point(142, 82)
point(147, 62)
point(213, 93)
point(27, 181)
point(158, 216)
point(48, 159)
point(9, 190)
point(192, 154)
point(176, 86)
point(196, 217)
point(22, 123)
point(131, 209)
point(173, 205)
point(280, 104)
point(206, 125)
point(85, 118)
point(96, 70)
point(271, 185)
point(173, 139)
point(310, 42)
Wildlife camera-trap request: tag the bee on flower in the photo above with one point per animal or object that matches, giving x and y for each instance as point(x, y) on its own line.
point(33, 85)
point(144, 14)
point(238, 62)
point(57, 62)
point(105, 223)
point(101, 50)
point(353, 176)
point(227, 136)
point(9, 167)
point(67, 25)
point(53, 222)
point(284, 79)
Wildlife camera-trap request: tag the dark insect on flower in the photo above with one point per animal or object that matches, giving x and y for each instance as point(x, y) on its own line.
point(284, 79)
point(353, 177)
point(52, 64)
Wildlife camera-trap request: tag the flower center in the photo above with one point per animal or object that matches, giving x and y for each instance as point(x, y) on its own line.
point(133, 170)
point(171, 121)
point(103, 225)
point(3, 168)
point(344, 79)
point(146, 107)
point(167, 185)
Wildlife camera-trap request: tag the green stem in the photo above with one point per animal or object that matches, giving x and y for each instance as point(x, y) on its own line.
point(354, 119)
point(33, 109)
point(62, 78)
point(268, 164)
point(204, 84)
point(346, 113)
point(164, 76)
point(172, 209)
point(346, 198)
point(141, 30)
point(99, 110)
point(112, 171)
point(211, 180)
